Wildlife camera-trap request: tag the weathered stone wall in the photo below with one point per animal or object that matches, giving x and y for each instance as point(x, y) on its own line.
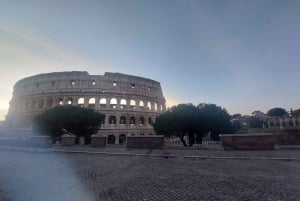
point(145, 141)
point(130, 103)
point(248, 141)
point(98, 141)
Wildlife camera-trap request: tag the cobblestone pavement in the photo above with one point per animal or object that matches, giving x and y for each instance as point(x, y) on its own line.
point(26, 176)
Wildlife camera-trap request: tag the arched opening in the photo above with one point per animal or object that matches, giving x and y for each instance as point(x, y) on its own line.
point(70, 101)
point(142, 121)
point(111, 139)
point(123, 103)
point(112, 120)
point(102, 103)
point(150, 122)
point(132, 104)
point(141, 104)
point(92, 102)
point(155, 106)
point(142, 134)
point(132, 120)
point(41, 104)
point(27, 105)
point(113, 103)
point(122, 120)
point(80, 102)
point(60, 101)
point(149, 106)
point(49, 103)
point(122, 139)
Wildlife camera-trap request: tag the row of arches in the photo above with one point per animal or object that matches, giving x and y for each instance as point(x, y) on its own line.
point(119, 139)
point(91, 102)
point(112, 120)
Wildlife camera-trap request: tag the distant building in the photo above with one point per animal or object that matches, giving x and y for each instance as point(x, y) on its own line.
point(130, 103)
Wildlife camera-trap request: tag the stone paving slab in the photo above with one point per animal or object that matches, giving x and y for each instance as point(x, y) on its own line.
point(32, 176)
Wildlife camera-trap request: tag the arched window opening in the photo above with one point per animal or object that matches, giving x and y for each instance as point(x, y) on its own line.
point(112, 120)
point(27, 105)
point(111, 139)
point(92, 102)
point(142, 134)
point(132, 120)
point(123, 103)
point(41, 104)
point(150, 122)
point(155, 106)
point(132, 104)
point(141, 104)
point(93, 83)
point(80, 102)
point(102, 103)
point(114, 84)
point(122, 139)
point(122, 120)
point(70, 101)
point(60, 101)
point(149, 106)
point(32, 105)
point(142, 121)
point(113, 103)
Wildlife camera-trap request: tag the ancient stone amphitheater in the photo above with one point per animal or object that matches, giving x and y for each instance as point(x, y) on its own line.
point(130, 103)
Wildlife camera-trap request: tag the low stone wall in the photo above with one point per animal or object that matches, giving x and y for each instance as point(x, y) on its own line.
point(40, 141)
point(148, 142)
point(32, 141)
point(98, 141)
point(257, 141)
point(287, 139)
point(68, 140)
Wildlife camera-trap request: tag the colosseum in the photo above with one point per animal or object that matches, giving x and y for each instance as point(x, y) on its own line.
point(130, 103)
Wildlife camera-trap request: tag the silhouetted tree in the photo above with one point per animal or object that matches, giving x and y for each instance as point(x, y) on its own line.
point(296, 113)
point(193, 121)
point(277, 112)
point(77, 120)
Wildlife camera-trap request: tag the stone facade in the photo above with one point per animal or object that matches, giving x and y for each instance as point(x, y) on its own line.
point(130, 103)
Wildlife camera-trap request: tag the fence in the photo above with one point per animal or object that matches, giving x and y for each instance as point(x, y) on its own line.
point(175, 142)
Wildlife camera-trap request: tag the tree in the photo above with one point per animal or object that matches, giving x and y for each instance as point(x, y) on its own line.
point(215, 120)
point(295, 113)
point(82, 122)
point(277, 112)
point(193, 121)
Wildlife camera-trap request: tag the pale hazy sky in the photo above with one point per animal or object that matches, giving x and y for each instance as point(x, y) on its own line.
point(241, 55)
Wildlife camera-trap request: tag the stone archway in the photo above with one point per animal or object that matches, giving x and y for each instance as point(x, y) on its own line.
point(111, 139)
point(122, 139)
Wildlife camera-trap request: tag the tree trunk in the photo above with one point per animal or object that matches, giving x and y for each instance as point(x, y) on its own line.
point(199, 138)
point(191, 139)
point(183, 141)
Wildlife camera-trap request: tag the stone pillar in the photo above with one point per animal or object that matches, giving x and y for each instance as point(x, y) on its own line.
point(294, 121)
point(86, 102)
point(97, 99)
point(108, 102)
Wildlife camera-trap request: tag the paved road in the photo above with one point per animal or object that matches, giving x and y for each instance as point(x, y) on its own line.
point(87, 177)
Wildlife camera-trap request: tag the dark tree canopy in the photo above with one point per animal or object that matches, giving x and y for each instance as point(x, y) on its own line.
point(194, 121)
point(77, 120)
point(277, 112)
point(296, 113)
